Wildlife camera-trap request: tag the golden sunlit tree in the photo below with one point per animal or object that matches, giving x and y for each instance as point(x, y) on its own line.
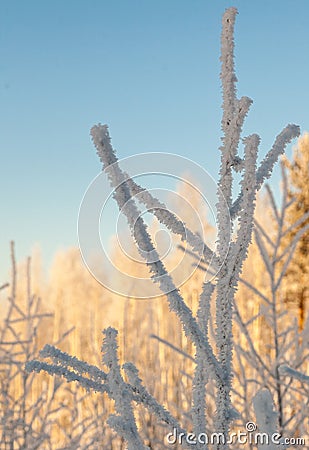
point(298, 272)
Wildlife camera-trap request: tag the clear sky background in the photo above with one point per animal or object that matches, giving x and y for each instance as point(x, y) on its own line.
point(148, 68)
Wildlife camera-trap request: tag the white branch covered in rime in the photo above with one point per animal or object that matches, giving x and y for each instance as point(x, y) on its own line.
point(228, 77)
point(203, 312)
point(124, 422)
point(167, 218)
point(69, 375)
point(228, 151)
point(144, 397)
point(232, 265)
point(143, 241)
point(122, 182)
point(81, 367)
point(289, 372)
point(201, 373)
point(266, 418)
point(227, 284)
point(95, 378)
point(289, 133)
point(239, 249)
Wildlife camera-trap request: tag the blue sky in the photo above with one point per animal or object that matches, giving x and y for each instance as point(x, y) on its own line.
point(148, 68)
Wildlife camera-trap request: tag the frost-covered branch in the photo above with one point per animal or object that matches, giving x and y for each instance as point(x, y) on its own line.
point(62, 371)
point(144, 243)
point(288, 371)
point(124, 422)
point(289, 133)
point(143, 397)
point(173, 347)
point(171, 221)
point(267, 418)
point(81, 367)
point(201, 373)
point(232, 265)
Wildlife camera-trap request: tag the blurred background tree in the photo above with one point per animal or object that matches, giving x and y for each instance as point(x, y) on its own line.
point(296, 280)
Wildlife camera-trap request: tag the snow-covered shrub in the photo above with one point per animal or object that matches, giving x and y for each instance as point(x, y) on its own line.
point(213, 361)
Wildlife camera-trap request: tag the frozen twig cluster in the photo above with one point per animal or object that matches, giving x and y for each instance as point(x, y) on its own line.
point(19, 342)
point(287, 344)
point(212, 362)
point(111, 382)
point(31, 409)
